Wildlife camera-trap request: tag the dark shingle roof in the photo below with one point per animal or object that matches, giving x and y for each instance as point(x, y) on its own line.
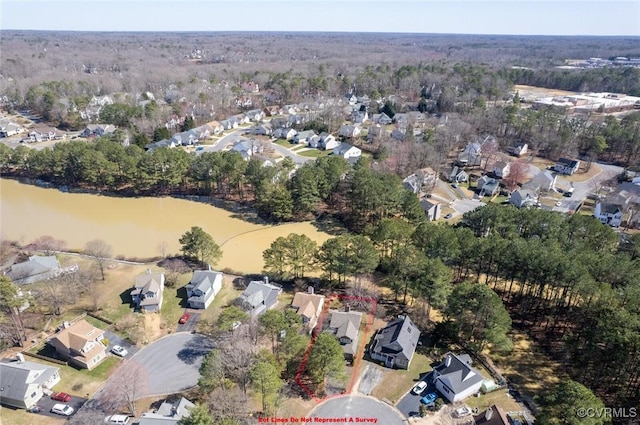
point(399, 337)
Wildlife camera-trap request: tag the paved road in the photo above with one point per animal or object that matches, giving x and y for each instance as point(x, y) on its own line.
point(357, 406)
point(298, 159)
point(169, 365)
point(465, 205)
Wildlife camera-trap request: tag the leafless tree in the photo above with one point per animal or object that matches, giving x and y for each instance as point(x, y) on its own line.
point(100, 251)
point(518, 172)
point(48, 245)
point(127, 385)
point(87, 416)
point(227, 403)
point(175, 267)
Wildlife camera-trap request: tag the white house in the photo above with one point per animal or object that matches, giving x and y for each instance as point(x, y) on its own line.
point(544, 181)
point(349, 131)
point(456, 379)
point(24, 383)
point(567, 166)
point(431, 209)
point(203, 288)
point(523, 198)
point(147, 292)
point(501, 169)
point(518, 148)
point(347, 151)
point(610, 214)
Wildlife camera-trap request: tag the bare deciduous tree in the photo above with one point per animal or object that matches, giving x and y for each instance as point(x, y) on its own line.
point(128, 384)
point(100, 251)
point(518, 172)
point(48, 245)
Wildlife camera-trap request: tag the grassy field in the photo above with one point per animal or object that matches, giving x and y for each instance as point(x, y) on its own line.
point(284, 143)
point(227, 294)
point(583, 174)
point(314, 153)
point(500, 397)
point(10, 416)
point(397, 382)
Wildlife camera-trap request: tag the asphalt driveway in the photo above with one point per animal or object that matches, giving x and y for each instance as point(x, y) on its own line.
point(114, 339)
point(172, 363)
point(190, 325)
point(409, 405)
point(46, 404)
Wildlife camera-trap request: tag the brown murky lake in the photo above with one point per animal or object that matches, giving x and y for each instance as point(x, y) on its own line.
point(135, 227)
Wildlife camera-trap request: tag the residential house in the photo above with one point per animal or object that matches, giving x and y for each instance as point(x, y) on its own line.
point(401, 119)
point(494, 415)
point(44, 134)
point(458, 175)
point(456, 379)
point(9, 128)
point(240, 119)
point(349, 131)
point(296, 120)
point(382, 119)
point(544, 181)
point(271, 96)
point(431, 209)
point(309, 306)
point(216, 127)
point(523, 198)
point(284, 133)
point(567, 166)
point(251, 87)
point(202, 132)
point(471, 156)
point(328, 141)
point(36, 269)
point(376, 132)
point(164, 143)
point(501, 169)
point(248, 148)
point(348, 152)
point(255, 115)
point(279, 123)
point(80, 344)
point(262, 129)
point(487, 186)
point(168, 413)
point(186, 138)
point(203, 288)
point(259, 296)
point(229, 124)
point(425, 177)
point(147, 293)
point(345, 325)
point(98, 130)
point(359, 117)
point(395, 344)
point(271, 110)
point(24, 383)
point(400, 133)
point(290, 109)
point(303, 136)
point(609, 213)
point(314, 141)
point(518, 148)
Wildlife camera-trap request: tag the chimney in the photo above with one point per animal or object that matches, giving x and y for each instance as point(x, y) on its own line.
point(20, 357)
point(148, 271)
point(488, 414)
point(209, 265)
point(347, 308)
point(266, 280)
point(310, 290)
point(447, 361)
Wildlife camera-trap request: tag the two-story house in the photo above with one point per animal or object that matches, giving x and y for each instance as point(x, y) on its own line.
point(24, 383)
point(309, 306)
point(346, 327)
point(567, 166)
point(609, 213)
point(203, 288)
point(147, 293)
point(259, 296)
point(395, 344)
point(456, 379)
point(80, 344)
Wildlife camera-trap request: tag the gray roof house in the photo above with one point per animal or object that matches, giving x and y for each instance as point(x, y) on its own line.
point(395, 344)
point(147, 293)
point(456, 379)
point(523, 198)
point(203, 288)
point(431, 209)
point(458, 175)
point(36, 269)
point(23, 382)
point(348, 152)
point(346, 327)
point(609, 213)
point(304, 136)
point(259, 297)
point(488, 186)
point(167, 413)
point(543, 181)
point(567, 166)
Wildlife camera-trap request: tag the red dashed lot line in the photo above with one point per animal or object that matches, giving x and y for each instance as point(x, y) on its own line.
point(357, 357)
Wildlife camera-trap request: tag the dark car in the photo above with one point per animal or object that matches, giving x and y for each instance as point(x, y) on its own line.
point(34, 409)
point(64, 397)
point(184, 318)
point(448, 216)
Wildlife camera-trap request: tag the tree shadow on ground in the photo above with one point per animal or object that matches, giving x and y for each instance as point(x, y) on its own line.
point(196, 348)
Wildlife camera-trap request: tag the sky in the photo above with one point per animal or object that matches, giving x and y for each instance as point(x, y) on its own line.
point(518, 17)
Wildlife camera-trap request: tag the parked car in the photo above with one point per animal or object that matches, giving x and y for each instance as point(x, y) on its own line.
point(117, 420)
point(62, 409)
point(64, 397)
point(419, 387)
point(429, 398)
point(119, 351)
point(448, 216)
point(184, 318)
point(34, 409)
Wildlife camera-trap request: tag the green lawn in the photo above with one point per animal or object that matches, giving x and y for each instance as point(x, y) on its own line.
point(173, 305)
point(499, 397)
point(284, 143)
point(314, 153)
point(397, 382)
point(227, 294)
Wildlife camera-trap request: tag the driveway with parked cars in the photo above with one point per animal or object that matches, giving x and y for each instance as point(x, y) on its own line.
point(409, 405)
point(192, 318)
point(46, 403)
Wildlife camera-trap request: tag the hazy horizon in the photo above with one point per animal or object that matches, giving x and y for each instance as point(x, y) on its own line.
point(618, 18)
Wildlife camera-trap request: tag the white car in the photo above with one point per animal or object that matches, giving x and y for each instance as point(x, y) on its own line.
point(119, 351)
point(62, 409)
point(419, 388)
point(117, 420)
